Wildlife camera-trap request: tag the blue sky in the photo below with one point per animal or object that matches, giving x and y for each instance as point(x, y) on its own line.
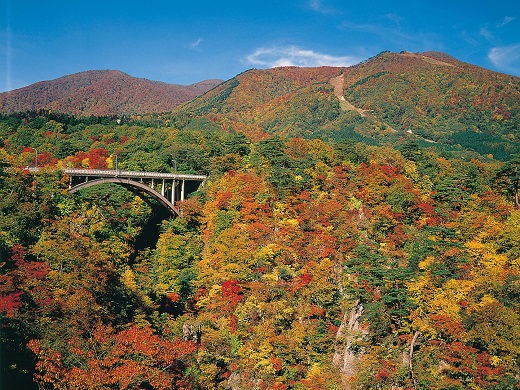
point(184, 42)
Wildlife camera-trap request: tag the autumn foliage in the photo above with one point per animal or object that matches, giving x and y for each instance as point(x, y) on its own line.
point(302, 263)
point(126, 359)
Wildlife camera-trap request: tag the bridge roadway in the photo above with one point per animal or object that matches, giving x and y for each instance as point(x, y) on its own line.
point(167, 188)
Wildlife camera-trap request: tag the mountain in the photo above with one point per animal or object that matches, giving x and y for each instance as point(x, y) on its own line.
point(429, 97)
point(100, 93)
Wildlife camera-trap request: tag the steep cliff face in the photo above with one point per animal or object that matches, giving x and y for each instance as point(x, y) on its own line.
point(347, 356)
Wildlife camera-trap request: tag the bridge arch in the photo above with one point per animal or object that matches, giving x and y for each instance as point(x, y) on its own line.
point(130, 184)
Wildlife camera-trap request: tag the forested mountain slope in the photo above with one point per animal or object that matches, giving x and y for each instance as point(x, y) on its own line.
point(101, 93)
point(429, 97)
point(301, 264)
point(436, 96)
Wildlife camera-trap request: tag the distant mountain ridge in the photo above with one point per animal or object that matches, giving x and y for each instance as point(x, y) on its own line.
point(102, 93)
point(428, 97)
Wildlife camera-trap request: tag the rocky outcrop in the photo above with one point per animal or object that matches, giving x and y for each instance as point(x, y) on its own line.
point(347, 355)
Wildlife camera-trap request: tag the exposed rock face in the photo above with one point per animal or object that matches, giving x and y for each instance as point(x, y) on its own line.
point(346, 357)
point(192, 331)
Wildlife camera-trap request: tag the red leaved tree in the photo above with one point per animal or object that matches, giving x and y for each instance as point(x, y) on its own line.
point(125, 359)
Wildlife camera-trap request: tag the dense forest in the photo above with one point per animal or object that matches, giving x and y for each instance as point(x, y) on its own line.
point(359, 229)
point(301, 264)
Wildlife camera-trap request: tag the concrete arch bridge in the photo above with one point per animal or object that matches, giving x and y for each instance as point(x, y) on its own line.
point(166, 188)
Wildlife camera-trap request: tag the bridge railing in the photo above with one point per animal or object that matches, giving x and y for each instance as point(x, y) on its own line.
point(132, 174)
point(127, 174)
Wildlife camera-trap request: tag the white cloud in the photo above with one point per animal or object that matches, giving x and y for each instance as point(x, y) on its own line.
point(507, 19)
point(196, 44)
point(296, 56)
point(317, 5)
point(390, 35)
point(394, 18)
point(486, 33)
point(506, 58)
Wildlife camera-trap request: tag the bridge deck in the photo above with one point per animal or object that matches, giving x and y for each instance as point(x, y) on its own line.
point(132, 174)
